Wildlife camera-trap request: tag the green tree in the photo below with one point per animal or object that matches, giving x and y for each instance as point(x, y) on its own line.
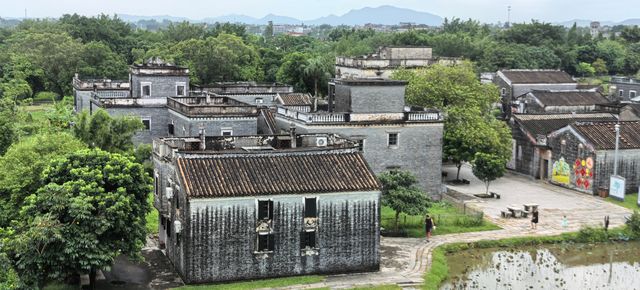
point(112, 134)
point(470, 126)
point(8, 131)
point(600, 67)
point(400, 194)
point(585, 70)
point(91, 210)
point(319, 70)
point(488, 167)
point(631, 34)
point(22, 166)
point(612, 52)
point(292, 71)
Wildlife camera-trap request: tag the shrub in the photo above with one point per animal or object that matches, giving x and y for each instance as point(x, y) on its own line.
point(633, 224)
point(591, 235)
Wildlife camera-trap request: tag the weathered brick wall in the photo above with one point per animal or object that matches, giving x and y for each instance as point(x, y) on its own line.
point(161, 86)
point(213, 126)
point(377, 99)
point(626, 88)
point(220, 238)
point(571, 155)
point(628, 167)
point(419, 150)
point(159, 117)
point(527, 159)
point(81, 100)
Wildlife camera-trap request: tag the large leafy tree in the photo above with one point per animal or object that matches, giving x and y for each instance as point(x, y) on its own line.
point(100, 130)
point(22, 166)
point(91, 210)
point(470, 126)
point(400, 193)
point(8, 130)
point(292, 71)
point(319, 70)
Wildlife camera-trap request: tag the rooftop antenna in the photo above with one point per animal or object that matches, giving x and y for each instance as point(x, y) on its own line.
point(508, 16)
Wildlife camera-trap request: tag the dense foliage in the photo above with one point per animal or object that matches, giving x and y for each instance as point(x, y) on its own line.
point(43, 55)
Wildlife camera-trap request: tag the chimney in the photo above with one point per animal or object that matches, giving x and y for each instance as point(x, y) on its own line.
point(201, 132)
point(292, 134)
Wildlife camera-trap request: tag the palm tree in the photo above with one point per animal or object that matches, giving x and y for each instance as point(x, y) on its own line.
point(317, 68)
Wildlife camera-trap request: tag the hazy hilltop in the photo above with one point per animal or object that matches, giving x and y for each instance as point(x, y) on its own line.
point(388, 15)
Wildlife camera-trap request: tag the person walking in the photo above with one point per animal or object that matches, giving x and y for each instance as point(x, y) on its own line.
point(534, 219)
point(429, 226)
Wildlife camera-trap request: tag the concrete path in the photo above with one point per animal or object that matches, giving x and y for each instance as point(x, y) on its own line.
point(404, 261)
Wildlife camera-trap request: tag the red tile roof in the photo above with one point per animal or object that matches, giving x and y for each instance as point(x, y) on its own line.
point(271, 174)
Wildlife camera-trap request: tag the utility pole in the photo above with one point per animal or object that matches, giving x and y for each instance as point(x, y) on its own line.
point(25, 13)
point(508, 16)
point(615, 155)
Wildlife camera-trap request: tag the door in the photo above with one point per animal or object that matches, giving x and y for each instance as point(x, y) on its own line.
point(545, 169)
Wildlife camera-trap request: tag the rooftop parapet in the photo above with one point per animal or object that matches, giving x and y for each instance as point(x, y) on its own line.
point(211, 105)
point(99, 84)
point(321, 117)
point(625, 80)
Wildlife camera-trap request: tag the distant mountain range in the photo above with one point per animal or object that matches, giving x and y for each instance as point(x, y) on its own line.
point(387, 15)
point(587, 23)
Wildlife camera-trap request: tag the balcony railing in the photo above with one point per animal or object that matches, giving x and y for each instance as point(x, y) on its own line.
point(100, 84)
point(327, 117)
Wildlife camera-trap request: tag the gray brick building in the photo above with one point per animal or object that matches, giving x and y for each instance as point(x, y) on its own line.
point(583, 155)
point(515, 83)
point(390, 135)
point(625, 89)
point(237, 208)
point(553, 102)
point(158, 93)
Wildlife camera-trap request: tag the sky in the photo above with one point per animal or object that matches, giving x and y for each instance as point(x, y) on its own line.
point(489, 11)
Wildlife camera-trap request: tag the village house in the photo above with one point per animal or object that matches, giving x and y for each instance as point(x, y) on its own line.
point(626, 111)
point(389, 134)
point(515, 83)
point(572, 101)
point(625, 89)
point(250, 207)
point(159, 94)
point(583, 155)
point(387, 60)
point(531, 154)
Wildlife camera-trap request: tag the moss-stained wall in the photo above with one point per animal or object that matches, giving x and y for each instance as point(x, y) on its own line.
point(219, 239)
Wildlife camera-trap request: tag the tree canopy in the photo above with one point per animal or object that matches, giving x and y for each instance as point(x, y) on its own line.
point(400, 193)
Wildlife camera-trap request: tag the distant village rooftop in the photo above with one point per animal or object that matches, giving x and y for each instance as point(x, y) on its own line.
point(536, 76)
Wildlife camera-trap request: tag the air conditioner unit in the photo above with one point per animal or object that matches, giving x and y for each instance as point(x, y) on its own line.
point(169, 193)
point(321, 142)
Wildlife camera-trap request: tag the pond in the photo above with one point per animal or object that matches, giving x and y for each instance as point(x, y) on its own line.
point(563, 266)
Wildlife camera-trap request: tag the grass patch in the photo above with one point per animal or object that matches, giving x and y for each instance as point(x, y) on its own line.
point(448, 219)
point(630, 201)
point(378, 287)
point(152, 217)
point(438, 272)
point(257, 284)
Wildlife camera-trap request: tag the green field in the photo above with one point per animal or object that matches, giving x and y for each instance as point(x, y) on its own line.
point(258, 284)
point(448, 219)
point(630, 201)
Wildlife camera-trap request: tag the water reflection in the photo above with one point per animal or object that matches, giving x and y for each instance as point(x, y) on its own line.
point(600, 266)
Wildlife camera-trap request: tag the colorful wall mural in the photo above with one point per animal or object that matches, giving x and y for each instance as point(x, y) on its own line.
point(561, 172)
point(583, 173)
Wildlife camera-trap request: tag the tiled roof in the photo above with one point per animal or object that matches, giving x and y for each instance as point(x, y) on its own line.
point(296, 99)
point(545, 124)
point(603, 135)
point(569, 98)
point(270, 174)
point(538, 76)
point(270, 119)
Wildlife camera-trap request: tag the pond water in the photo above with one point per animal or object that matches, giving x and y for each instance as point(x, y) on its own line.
point(564, 266)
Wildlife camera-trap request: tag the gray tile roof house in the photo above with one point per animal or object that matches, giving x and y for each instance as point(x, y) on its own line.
point(249, 207)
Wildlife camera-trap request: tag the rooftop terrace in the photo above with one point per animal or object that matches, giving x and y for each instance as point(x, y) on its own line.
point(209, 105)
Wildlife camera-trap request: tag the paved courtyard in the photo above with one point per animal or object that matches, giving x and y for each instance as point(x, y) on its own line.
point(554, 201)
